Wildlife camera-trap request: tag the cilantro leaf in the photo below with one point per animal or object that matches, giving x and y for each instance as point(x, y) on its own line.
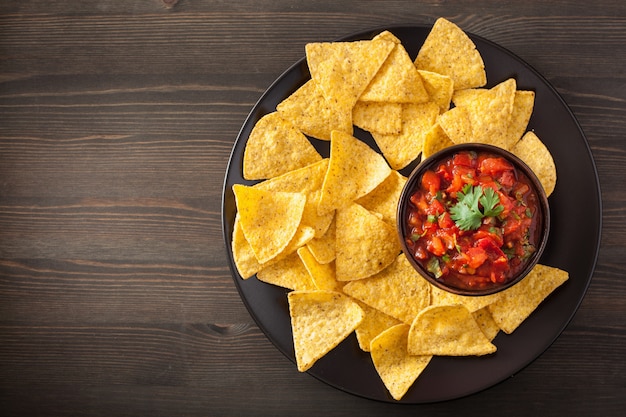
point(466, 212)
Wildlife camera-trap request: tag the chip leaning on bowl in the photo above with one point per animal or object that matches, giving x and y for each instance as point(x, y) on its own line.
point(324, 227)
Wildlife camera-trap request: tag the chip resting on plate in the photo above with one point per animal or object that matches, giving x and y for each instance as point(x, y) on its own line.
point(322, 275)
point(384, 198)
point(355, 169)
point(374, 323)
point(447, 330)
point(397, 282)
point(449, 51)
point(289, 272)
point(269, 220)
point(439, 87)
point(515, 304)
point(486, 323)
point(365, 244)
point(531, 150)
point(275, 146)
point(320, 320)
point(309, 111)
point(396, 367)
point(435, 140)
point(323, 248)
point(378, 117)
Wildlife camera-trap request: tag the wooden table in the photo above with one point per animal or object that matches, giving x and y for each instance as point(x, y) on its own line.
point(116, 124)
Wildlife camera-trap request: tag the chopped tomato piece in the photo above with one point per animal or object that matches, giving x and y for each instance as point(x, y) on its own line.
point(431, 182)
point(436, 246)
point(477, 257)
point(494, 166)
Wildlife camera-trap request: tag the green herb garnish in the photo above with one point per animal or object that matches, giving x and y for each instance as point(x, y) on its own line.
point(466, 212)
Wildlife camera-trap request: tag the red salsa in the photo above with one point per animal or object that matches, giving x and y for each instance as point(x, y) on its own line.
point(473, 221)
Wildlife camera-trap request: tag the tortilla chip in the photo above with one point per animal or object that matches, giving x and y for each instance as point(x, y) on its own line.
point(490, 114)
point(402, 149)
point(397, 282)
point(396, 367)
point(355, 169)
point(323, 248)
point(397, 80)
point(320, 320)
point(308, 181)
point(486, 323)
point(439, 87)
point(449, 51)
point(309, 111)
point(384, 118)
point(518, 302)
point(269, 220)
point(384, 198)
point(447, 331)
point(274, 147)
point(534, 152)
point(472, 303)
point(365, 244)
point(343, 70)
point(243, 256)
point(435, 140)
point(456, 125)
point(374, 323)
point(322, 275)
point(287, 273)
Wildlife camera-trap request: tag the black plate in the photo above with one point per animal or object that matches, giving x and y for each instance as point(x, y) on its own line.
point(573, 245)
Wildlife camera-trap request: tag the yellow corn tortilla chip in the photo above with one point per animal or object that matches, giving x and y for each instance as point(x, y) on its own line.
point(320, 320)
point(396, 367)
point(379, 117)
point(309, 111)
point(365, 244)
point(518, 302)
point(534, 152)
point(490, 114)
point(447, 331)
point(439, 87)
point(456, 125)
point(397, 80)
point(343, 70)
point(486, 323)
point(435, 140)
point(384, 290)
point(384, 198)
point(355, 169)
point(374, 323)
point(308, 181)
point(401, 149)
point(269, 220)
point(449, 51)
point(323, 248)
point(322, 275)
point(243, 255)
point(472, 303)
point(274, 147)
point(287, 273)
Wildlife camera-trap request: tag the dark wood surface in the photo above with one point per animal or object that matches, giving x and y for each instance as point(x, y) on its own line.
point(116, 124)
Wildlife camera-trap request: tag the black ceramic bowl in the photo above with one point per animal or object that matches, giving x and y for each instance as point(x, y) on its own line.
point(541, 218)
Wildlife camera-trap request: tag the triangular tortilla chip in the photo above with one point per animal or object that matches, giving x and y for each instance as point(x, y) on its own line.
point(320, 320)
point(486, 323)
point(269, 220)
point(435, 140)
point(397, 80)
point(274, 147)
point(308, 181)
point(447, 331)
point(355, 169)
point(366, 244)
point(449, 51)
point(397, 282)
point(401, 149)
point(396, 367)
point(383, 118)
point(287, 273)
point(309, 111)
point(456, 125)
point(343, 70)
point(516, 303)
point(374, 323)
point(322, 275)
point(323, 248)
point(534, 152)
point(439, 87)
point(472, 303)
point(384, 198)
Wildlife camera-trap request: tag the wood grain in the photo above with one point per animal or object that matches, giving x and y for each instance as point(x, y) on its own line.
point(117, 120)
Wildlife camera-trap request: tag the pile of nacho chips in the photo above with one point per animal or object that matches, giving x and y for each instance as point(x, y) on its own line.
point(325, 227)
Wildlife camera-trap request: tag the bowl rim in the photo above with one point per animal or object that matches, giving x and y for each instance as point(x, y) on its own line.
point(410, 185)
